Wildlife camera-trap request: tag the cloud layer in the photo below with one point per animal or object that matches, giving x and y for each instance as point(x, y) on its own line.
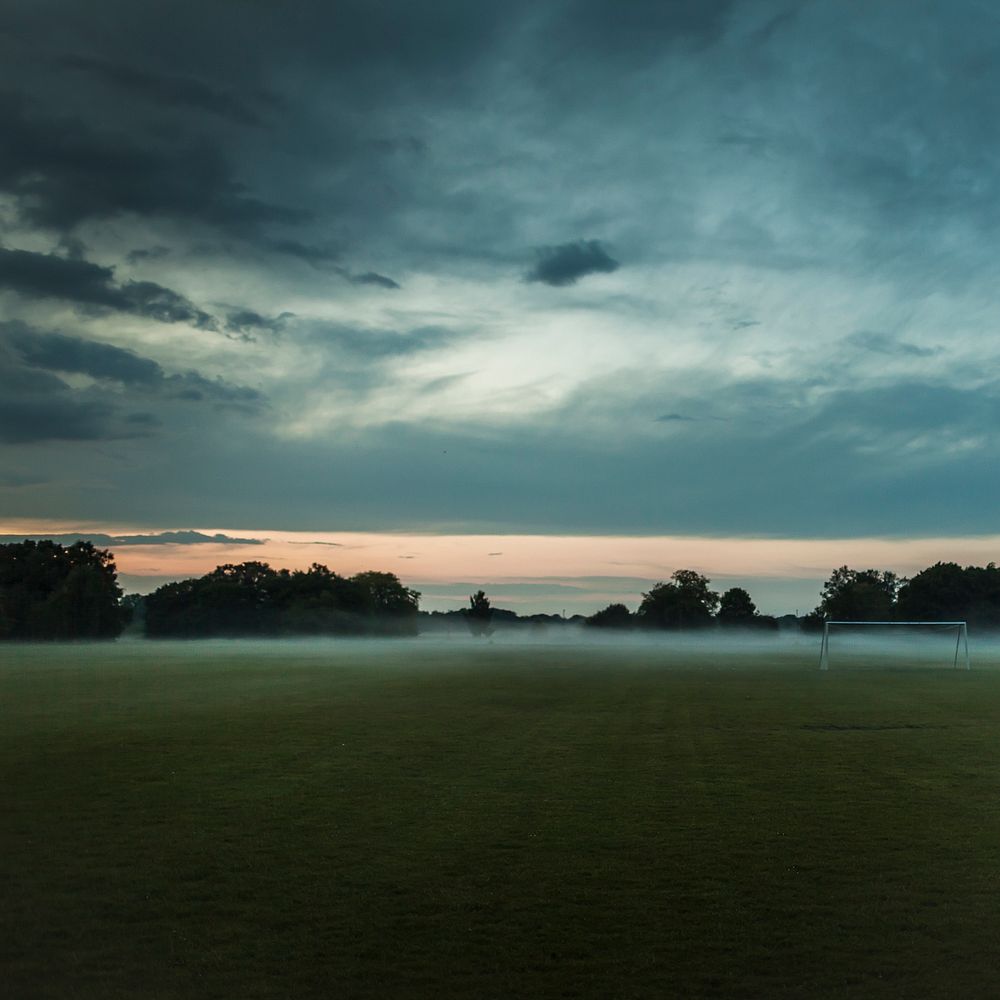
point(710, 267)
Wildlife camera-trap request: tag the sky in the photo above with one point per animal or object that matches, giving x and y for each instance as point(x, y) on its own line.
point(711, 283)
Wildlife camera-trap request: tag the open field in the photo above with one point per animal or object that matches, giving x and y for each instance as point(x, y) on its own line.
point(435, 820)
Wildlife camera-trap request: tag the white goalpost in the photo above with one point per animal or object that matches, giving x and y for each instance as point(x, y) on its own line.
point(961, 637)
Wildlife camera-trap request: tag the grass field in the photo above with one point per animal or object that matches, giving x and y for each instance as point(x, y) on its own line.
point(431, 820)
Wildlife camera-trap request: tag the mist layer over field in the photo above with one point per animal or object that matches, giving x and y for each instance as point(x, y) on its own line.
point(729, 649)
point(691, 816)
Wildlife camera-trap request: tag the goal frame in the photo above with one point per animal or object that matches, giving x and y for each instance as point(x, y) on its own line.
point(961, 638)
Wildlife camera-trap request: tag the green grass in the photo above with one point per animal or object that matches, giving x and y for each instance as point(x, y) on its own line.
point(223, 820)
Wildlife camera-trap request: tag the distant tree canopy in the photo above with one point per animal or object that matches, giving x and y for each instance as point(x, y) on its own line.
point(942, 592)
point(947, 592)
point(251, 598)
point(685, 602)
point(613, 616)
point(51, 591)
point(859, 595)
point(736, 607)
point(737, 610)
point(479, 613)
point(48, 591)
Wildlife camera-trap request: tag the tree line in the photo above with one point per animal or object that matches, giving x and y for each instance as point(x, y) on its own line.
point(48, 591)
point(686, 601)
point(945, 591)
point(251, 598)
point(942, 592)
point(51, 591)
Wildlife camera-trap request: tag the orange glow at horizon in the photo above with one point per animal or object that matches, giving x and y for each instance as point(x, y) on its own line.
point(488, 557)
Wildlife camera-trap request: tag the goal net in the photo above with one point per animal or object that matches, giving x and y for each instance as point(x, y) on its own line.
point(887, 636)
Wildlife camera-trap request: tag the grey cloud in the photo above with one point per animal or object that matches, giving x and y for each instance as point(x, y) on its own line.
point(46, 276)
point(371, 278)
point(146, 253)
point(567, 263)
point(39, 406)
point(157, 538)
point(195, 387)
point(146, 298)
point(62, 353)
point(57, 352)
point(72, 247)
point(246, 321)
point(176, 90)
point(881, 343)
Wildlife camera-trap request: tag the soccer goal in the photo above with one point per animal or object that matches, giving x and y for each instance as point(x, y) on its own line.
point(960, 628)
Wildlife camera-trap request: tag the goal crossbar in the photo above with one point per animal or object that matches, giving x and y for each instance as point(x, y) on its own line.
point(961, 639)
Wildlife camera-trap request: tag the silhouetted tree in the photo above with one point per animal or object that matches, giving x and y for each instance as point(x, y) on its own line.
point(859, 595)
point(48, 591)
point(736, 608)
point(613, 616)
point(479, 614)
point(947, 592)
point(390, 607)
point(254, 599)
point(684, 602)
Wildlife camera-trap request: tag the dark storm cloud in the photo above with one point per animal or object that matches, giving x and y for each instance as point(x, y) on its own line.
point(62, 171)
point(181, 91)
point(566, 264)
point(57, 352)
point(46, 276)
point(37, 406)
point(158, 538)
